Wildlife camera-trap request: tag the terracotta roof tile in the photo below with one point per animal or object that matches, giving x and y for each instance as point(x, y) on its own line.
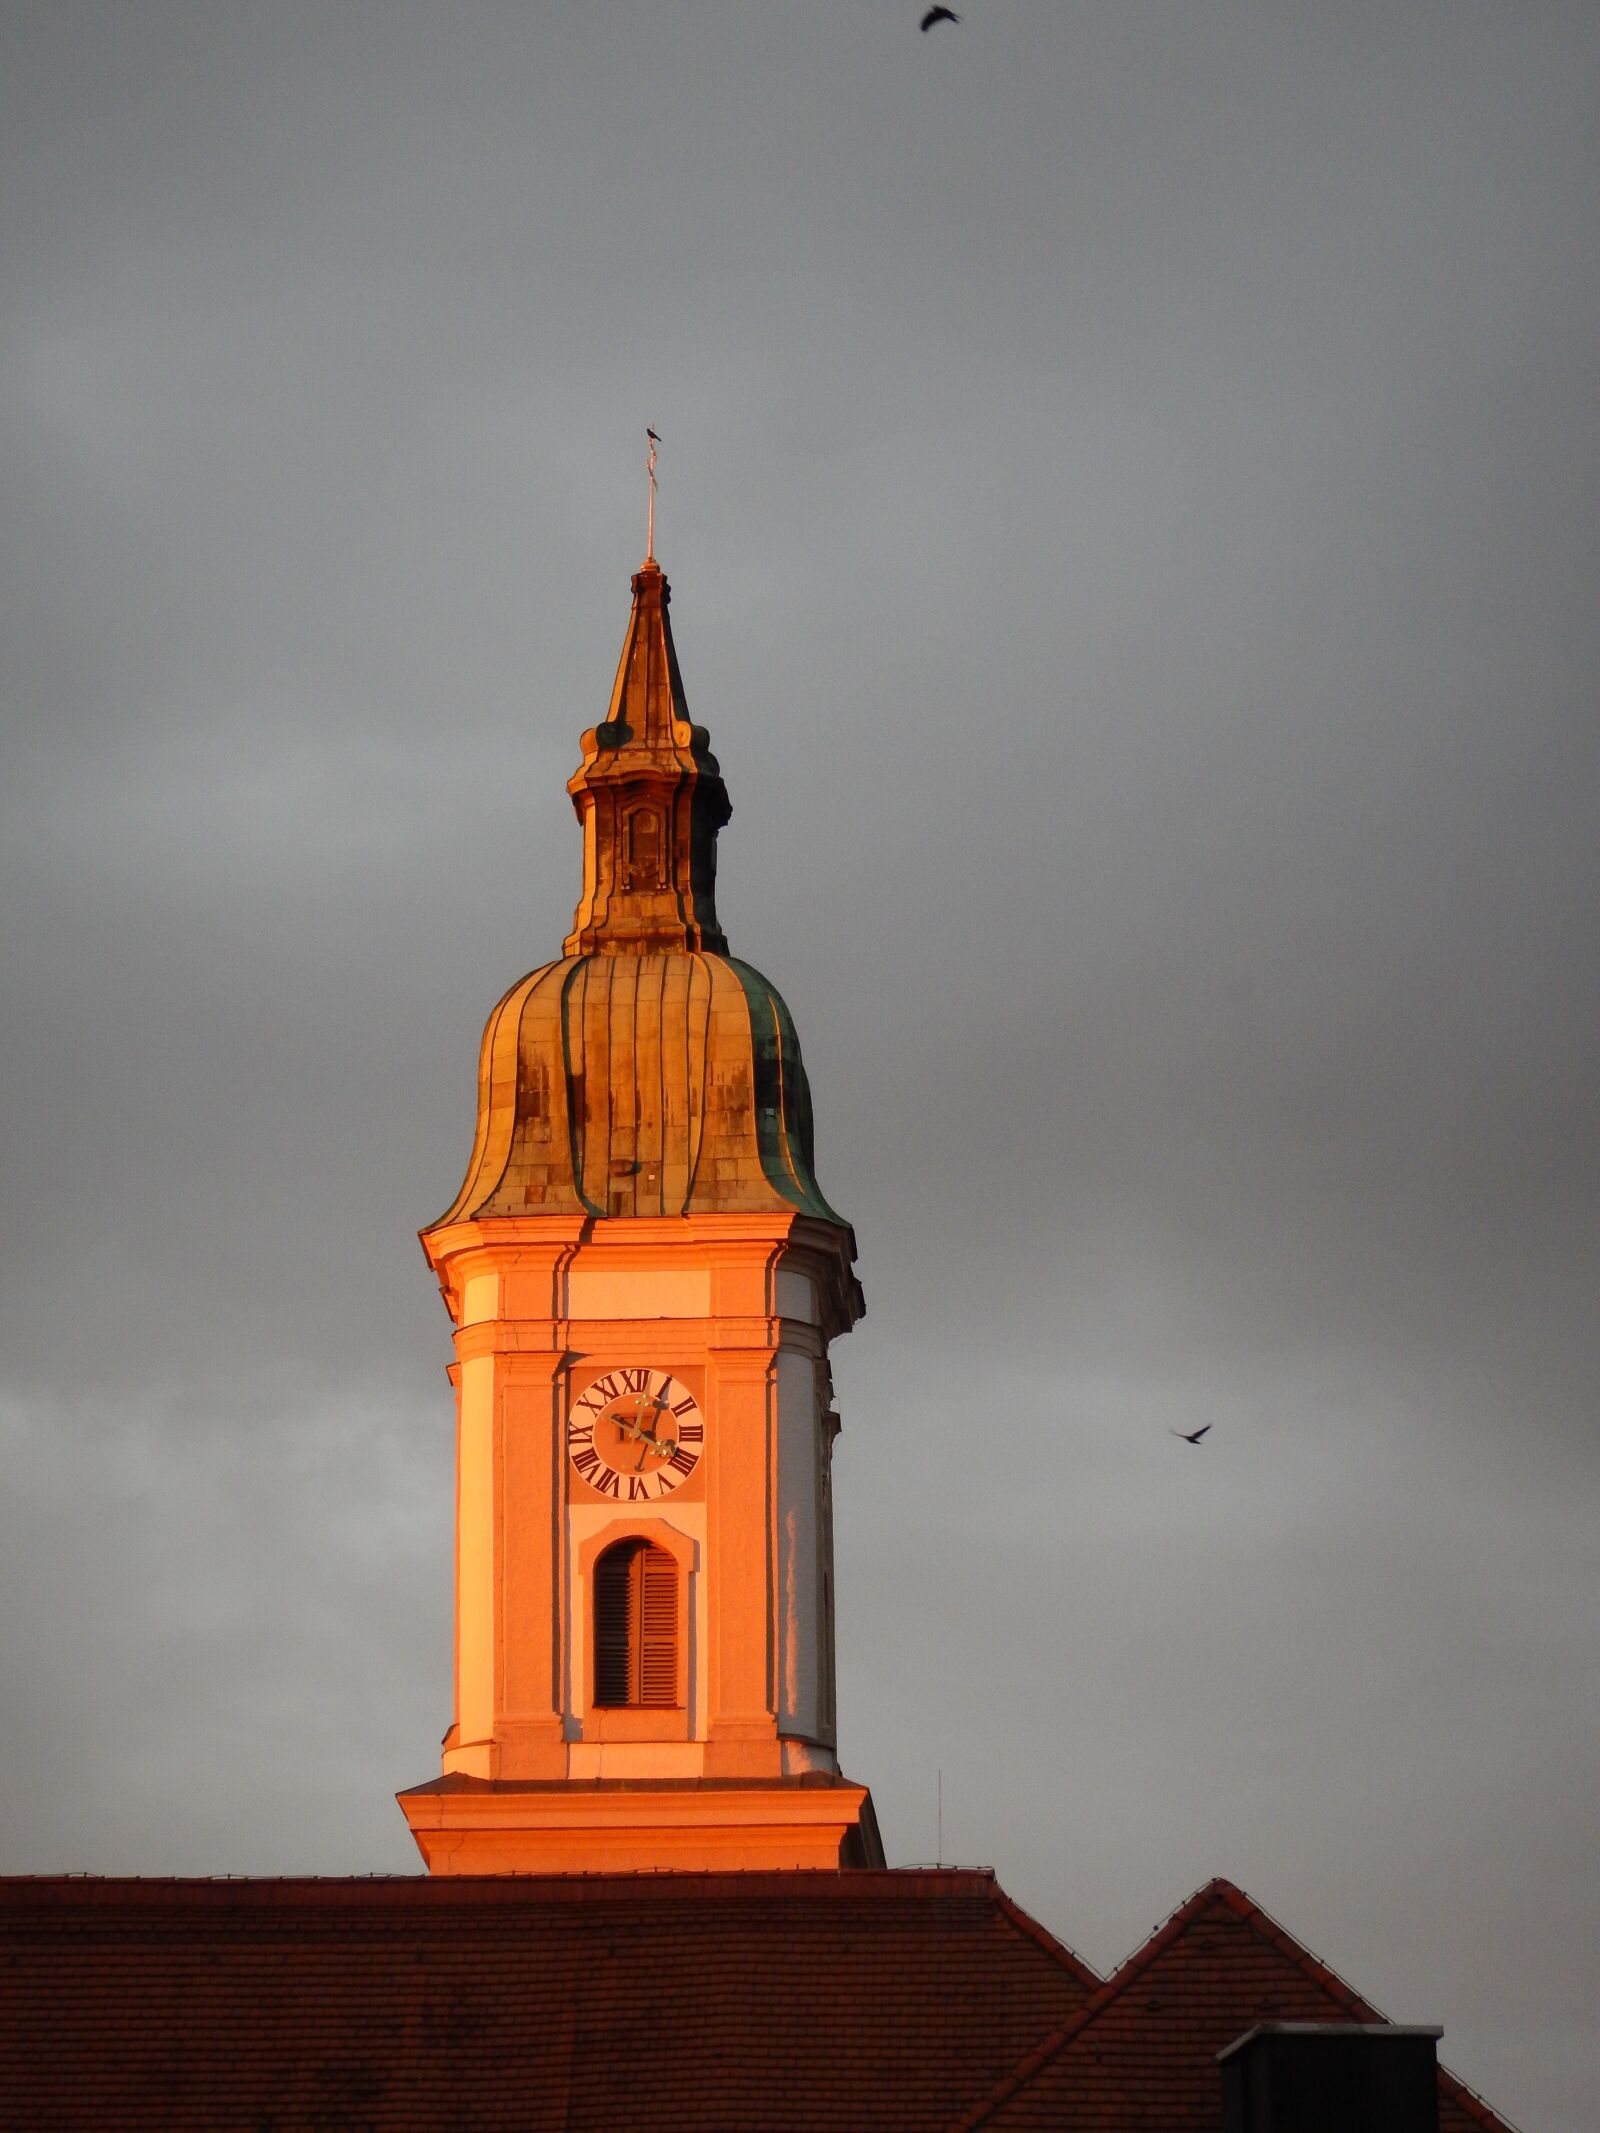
point(867, 1999)
point(1140, 2054)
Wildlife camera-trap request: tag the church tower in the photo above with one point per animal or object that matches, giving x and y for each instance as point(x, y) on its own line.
point(644, 1279)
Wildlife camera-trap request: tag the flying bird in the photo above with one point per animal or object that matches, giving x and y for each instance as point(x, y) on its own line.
point(1190, 1436)
point(938, 14)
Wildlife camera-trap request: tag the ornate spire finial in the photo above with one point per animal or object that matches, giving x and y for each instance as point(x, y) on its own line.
point(651, 800)
point(652, 440)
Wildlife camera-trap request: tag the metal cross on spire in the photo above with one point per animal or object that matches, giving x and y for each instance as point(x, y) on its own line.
point(650, 508)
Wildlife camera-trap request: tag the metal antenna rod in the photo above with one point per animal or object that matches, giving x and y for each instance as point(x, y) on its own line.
point(650, 508)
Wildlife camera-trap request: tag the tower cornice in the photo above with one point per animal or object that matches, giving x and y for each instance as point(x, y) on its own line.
point(546, 1247)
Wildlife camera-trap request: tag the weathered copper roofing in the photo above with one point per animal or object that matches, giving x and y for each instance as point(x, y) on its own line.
point(647, 1072)
point(641, 1085)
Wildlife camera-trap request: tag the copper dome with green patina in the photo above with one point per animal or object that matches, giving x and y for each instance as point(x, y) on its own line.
point(645, 1071)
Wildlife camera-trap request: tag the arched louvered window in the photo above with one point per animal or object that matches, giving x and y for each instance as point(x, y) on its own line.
point(636, 1626)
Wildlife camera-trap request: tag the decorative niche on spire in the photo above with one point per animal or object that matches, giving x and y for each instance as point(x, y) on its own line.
point(650, 798)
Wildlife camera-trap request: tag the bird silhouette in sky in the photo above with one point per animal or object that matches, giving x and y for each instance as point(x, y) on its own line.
point(938, 14)
point(1190, 1436)
point(654, 439)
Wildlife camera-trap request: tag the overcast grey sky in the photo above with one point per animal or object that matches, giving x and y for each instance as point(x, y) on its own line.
point(1130, 489)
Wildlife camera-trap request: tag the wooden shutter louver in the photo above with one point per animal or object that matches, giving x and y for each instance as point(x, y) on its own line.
point(611, 1625)
point(658, 1627)
point(636, 1626)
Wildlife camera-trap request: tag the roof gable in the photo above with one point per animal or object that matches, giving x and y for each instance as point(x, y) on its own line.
point(1140, 2055)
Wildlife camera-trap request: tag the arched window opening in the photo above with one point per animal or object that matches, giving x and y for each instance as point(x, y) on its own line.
point(643, 842)
point(636, 1626)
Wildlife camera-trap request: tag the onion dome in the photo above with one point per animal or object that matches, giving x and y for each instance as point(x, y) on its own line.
point(647, 1072)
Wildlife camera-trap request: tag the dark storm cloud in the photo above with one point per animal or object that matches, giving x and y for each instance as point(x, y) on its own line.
point(1130, 486)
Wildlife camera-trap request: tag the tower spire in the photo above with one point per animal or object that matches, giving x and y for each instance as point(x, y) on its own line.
point(651, 800)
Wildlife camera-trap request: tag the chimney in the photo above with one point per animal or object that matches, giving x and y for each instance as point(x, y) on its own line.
point(1331, 2077)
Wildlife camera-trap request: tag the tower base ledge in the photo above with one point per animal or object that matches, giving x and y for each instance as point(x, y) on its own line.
point(468, 1825)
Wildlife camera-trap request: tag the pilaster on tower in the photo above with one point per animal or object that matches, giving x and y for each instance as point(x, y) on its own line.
point(644, 1278)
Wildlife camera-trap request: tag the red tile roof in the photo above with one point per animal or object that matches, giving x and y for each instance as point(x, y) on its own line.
point(861, 1999)
point(864, 1999)
point(1140, 2053)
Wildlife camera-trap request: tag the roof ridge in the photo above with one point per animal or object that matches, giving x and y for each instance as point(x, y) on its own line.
point(816, 1885)
point(1026, 1923)
point(1050, 2047)
point(1473, 2104)
point(1040, 2057)
point(1245, 1908)
point(1035, 2062)
point(1279, 1937)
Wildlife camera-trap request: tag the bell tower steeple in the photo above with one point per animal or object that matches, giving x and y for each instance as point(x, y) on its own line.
point(650, 798)
point(644, 1279)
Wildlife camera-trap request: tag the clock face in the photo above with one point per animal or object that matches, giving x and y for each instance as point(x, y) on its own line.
point(635, 1434)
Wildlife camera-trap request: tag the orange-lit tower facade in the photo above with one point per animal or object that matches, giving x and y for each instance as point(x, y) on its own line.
point(644, 1280)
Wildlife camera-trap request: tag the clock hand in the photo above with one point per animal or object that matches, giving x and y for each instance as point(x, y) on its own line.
point(628, 1425)
point(665, 1446)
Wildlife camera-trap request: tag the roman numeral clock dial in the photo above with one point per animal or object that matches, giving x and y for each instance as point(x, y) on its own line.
point(635, 1435)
